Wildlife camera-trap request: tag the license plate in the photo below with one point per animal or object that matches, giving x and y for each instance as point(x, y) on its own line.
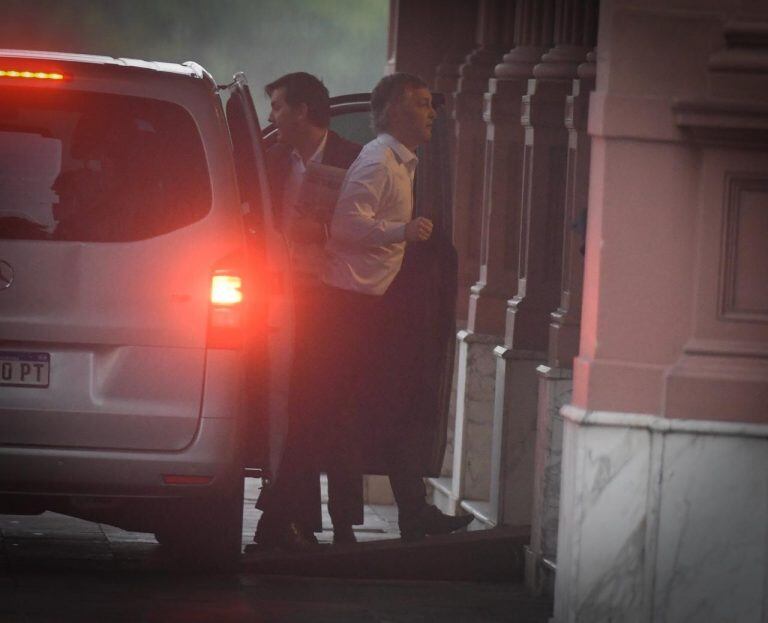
point(20, 369)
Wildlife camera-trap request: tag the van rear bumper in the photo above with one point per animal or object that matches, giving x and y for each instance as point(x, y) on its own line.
point(40, 471)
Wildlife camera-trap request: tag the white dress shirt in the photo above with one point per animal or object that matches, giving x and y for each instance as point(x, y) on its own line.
point(307, 258)
point(367, 243)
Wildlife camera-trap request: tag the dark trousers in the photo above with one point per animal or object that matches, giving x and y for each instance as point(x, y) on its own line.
point(318, 429)
point(336, 362)
point(356, 327)
point(407, 486)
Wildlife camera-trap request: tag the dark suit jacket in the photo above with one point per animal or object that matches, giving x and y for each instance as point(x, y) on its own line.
point(339, 152)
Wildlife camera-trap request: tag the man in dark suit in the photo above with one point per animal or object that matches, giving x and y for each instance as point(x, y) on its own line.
point(300, 110)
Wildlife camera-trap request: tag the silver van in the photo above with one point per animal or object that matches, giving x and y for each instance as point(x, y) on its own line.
point(145, 301)
point(136, 258)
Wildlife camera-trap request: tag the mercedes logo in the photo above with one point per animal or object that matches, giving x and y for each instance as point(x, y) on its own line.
point(6, 275)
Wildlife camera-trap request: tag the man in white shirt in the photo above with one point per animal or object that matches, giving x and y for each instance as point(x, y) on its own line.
point(371, 225)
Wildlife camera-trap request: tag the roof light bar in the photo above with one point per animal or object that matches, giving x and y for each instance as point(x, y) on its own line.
point(36, 75)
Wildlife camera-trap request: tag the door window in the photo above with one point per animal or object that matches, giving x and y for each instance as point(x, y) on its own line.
point(353, 125)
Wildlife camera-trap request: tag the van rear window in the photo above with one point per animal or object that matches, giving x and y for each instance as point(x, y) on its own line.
point(97, 167)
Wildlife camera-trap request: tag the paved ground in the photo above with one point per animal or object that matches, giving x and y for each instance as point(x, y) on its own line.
point(56, 569)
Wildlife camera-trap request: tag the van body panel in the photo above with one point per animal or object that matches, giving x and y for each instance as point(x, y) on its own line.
point(123, 324)
point(76, 471)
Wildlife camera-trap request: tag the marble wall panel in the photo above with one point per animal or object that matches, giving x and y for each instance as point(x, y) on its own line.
point(662, 521)
point(614, 468)
point(449, 443)
point(712, 557)
point(478, 420)
point(519, 403)
point(473, 429)
point(556, 393)
point(555, 390)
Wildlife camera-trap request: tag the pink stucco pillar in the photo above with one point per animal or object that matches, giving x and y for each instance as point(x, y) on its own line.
point(515, 374)
point(564, 326)
point(502, 180)
point(540, 241)
point(470, 473)
point(544, 175)
point(447, 75)
point(555, 376)
point(664, 489)
point(493, 33)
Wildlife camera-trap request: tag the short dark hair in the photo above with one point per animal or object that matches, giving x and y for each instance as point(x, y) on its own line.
point(388, 90)
point(303, 88)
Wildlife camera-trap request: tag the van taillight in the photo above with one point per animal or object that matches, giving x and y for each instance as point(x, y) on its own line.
point(226, 290)
point(226, 315)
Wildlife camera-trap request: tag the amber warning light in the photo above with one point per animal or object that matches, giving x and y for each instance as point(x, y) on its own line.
point(31, 75)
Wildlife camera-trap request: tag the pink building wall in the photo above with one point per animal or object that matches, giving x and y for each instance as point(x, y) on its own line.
point(642, 464)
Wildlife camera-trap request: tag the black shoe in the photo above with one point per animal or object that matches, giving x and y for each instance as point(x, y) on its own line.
point(343, 535)
point(440, 523)
point(290, 537)
point(432, 522)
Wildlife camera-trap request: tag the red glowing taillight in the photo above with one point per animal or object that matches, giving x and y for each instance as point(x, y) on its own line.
point(226, 316)
point(226, 290)
point(26, 74)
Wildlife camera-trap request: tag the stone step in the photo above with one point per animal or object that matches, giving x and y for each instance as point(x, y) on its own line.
point(482, 555)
